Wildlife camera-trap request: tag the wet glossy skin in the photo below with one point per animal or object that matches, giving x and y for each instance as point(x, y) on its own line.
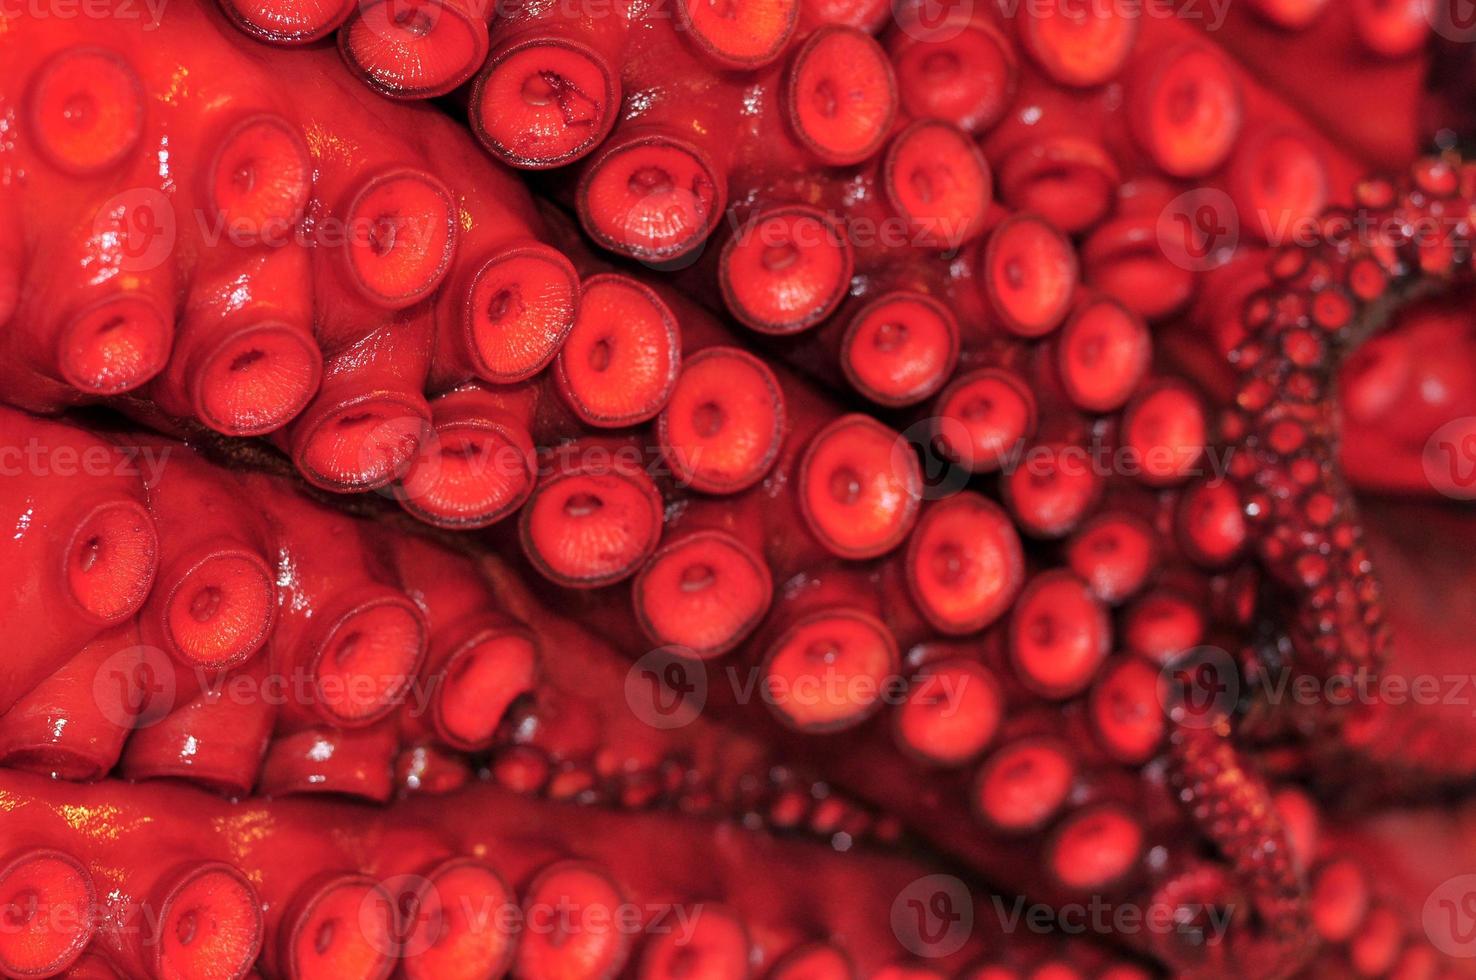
point(382, 335)
point(292, 270)
point(516, 838)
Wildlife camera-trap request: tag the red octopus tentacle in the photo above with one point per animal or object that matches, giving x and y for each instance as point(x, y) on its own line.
point(1233, 807)
point(1323, 302)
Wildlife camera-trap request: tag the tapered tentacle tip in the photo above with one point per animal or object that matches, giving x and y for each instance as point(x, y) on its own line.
point(342, 926)
point(786, 270)
point(591, 523)
point(361, 444)
point(255, 380)
point(460, 924)
point(620, 362)
point(860, 487)
point(482, 680)
point(519, 311)
point(715, 947)
point(704, 592)
point(414, 51)
point(722, 427)
point(261, 177)
point(86, 110)
point(651, 198)
point(544, 102)
point(114, 345)
point(830, 671)
point(219, 610)
point(965, 563)
point(560, 940)
point(47, 906)
point(210, 924)
point(400, 237)
point(840, 95)
point(368, 658)
point(111, 560)
point(900, 348)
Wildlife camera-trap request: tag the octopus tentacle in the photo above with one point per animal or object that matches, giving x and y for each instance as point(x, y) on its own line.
point(1323, 303)
point(1235, 810)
